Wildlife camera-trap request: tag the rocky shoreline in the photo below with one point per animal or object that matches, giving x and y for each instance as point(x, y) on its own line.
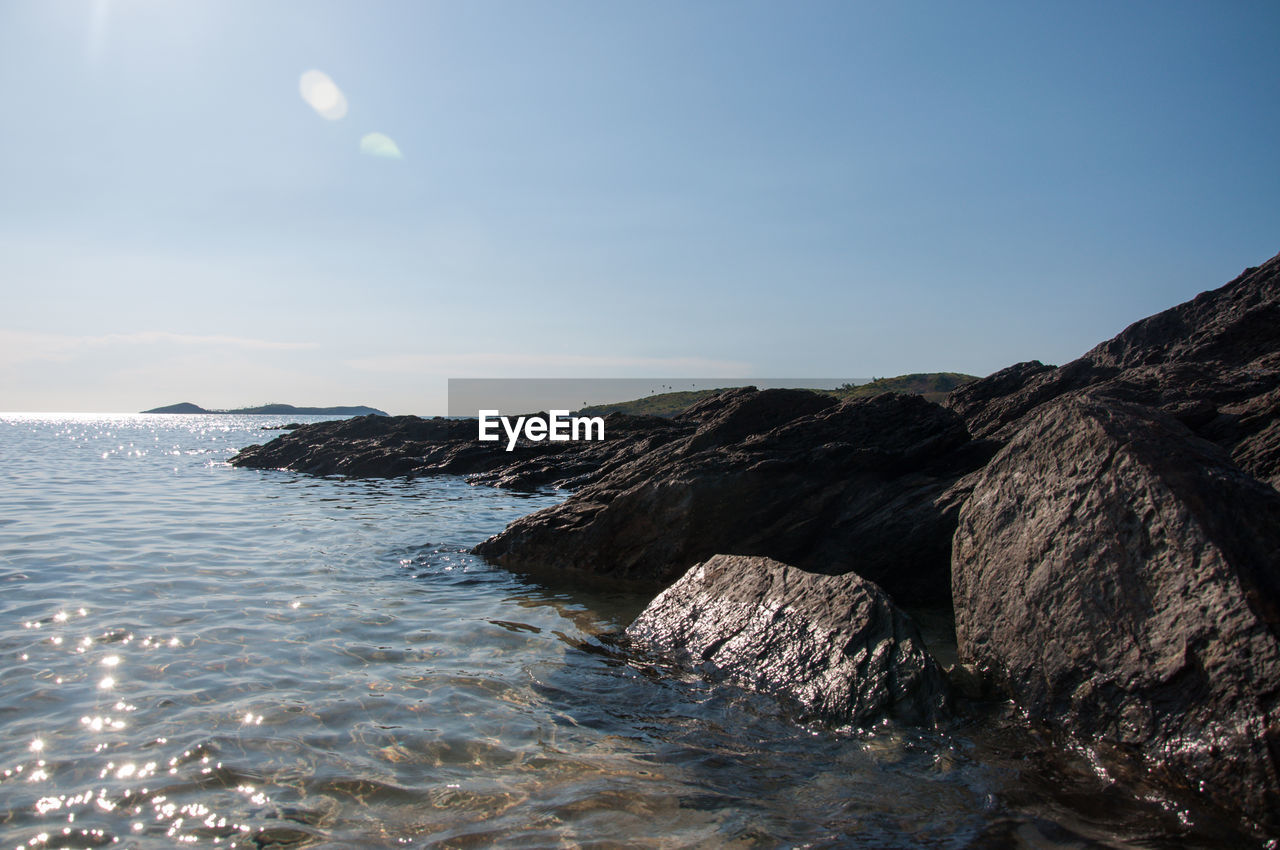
point(1108, 532)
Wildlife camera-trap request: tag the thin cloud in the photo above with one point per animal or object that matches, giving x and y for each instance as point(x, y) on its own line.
point(27, 346)
point(153, 337)
point(491, 363)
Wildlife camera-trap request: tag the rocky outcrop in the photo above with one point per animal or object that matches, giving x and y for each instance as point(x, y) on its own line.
point(1212, 362)
point(390, 446)
point(834, 645)
point(870, 486)
point(1109, 532)
point(1122, 578)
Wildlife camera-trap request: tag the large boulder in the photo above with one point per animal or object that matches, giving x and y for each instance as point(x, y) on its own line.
point(867, 486)
point(1122, 578)
point(835, 646)
point(1212, 362)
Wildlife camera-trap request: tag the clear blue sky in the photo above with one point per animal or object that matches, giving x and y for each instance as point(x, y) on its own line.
point(608, 189)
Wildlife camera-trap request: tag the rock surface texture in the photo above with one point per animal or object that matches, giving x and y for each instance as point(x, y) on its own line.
point(1212, 362)
point(871, 486)
point(1122, 577)
point(835, 645)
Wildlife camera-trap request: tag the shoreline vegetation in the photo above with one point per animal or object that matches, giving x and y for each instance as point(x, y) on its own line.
point(1106, 533)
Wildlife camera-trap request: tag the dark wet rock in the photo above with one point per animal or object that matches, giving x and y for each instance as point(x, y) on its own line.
point(1121, 577)
point(390, 446)
point(834, 645)
point(871, 486)
point(1212, 362)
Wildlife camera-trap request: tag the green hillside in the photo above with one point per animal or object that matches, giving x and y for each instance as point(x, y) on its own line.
point(932, 385)
point(659, 404)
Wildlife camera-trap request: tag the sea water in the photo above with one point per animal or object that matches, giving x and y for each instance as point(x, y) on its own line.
point(197, 655)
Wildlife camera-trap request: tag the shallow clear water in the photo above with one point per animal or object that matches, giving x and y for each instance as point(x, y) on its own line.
point(196, 655)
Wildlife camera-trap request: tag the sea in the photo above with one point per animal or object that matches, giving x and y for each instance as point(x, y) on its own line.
point(195, 655)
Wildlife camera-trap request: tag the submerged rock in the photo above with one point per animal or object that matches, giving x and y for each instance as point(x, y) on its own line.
point(834, 645)
point(1122, 578)
point(871, 486)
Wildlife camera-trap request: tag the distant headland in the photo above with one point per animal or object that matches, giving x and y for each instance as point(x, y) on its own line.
point(273, 410)
point(934, 386)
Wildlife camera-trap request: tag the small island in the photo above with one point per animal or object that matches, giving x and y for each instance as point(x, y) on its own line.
point(274, 410)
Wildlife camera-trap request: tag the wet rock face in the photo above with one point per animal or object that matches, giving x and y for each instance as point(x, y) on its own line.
point(1212, 362)
point(867, 486)
point(834, 645)
point(1122, 577)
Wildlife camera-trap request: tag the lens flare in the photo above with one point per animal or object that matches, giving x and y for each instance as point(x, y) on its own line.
point(377, 144)
point(323, 95)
